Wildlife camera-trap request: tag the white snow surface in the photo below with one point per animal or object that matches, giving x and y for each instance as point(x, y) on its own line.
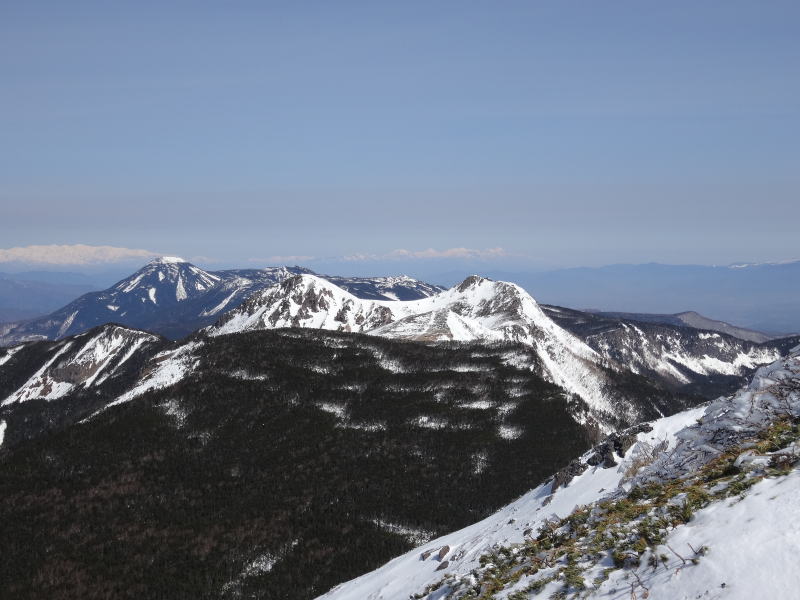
point(66, 324)
point(477, 309)
point(220, 306)
point(753, 542)
point(753, 548)
point(3, 426)
point(180, 291)
point(168, 260)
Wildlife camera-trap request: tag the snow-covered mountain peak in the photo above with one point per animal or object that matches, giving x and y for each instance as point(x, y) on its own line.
point(471, 282)
point(169, 279)
point(166, 260)
point(305, 288)
point(478, 308)
point(498, 306)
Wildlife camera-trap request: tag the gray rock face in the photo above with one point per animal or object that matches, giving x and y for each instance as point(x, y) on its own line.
point(616, 443)
point(603, 455)
point(564, 476)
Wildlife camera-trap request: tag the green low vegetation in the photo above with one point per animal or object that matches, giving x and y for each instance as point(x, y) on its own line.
point(628, 532)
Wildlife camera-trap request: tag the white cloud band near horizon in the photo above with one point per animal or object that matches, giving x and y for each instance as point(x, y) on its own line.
point(278, 259)
point(431, 253)
point(398, 254)
point(72, 254)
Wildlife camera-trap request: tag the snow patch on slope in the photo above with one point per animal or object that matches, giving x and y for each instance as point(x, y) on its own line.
point(168, 368)
point(39, 386)
point(10, 352)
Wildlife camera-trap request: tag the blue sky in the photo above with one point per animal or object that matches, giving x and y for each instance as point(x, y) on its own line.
point(565, 133)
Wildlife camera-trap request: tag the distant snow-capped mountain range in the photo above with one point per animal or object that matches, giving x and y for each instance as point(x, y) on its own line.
point(172, 297)
point(477, 310)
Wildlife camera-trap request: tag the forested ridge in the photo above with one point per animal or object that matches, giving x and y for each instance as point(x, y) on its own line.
point(287, 462)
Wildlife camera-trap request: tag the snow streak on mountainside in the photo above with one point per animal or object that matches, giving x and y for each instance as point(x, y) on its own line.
point(476, 309)
point(81, 362)
point(167, 368)
point(667, 521)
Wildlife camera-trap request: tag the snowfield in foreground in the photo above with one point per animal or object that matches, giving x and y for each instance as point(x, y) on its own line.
point(702, 506)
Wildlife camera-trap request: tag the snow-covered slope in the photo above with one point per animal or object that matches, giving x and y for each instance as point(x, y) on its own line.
point(676, 354)
point(476, 309)
point(660, 513)
point(304, 301)
point(81, 362)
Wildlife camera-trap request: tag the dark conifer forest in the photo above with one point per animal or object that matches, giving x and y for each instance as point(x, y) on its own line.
point(287, 462)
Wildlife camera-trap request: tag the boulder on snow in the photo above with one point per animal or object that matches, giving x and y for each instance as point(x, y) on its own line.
point(616, 443)
point(565, 475)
